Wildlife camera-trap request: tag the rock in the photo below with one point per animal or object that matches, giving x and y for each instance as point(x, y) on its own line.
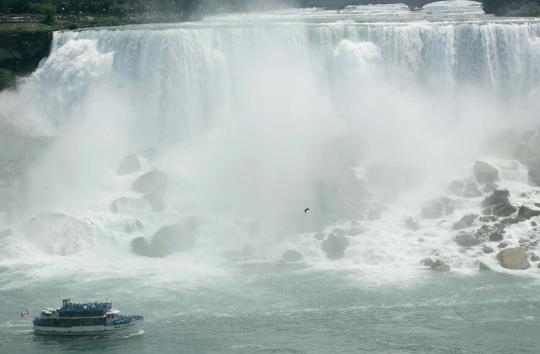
point(440, 266)
point(437, 208)
point(338, 232)
point(412, 224)
point(534, 258)
point(485, 173)
point(319, 236)
point(502, 245)
point(291, 256)
point(456, 188)
point(533, 223)
point(527, 213)
point(133, 226)
point(156, 201)
point(534, 176)
point(128, 205)
point(168, 240)
point(508, 221)
point(513, 258)
point(498, 204)
point(141, 247)
point(465, 239)
point(129, 165)
point(471, 190)
point(487, 249)
point(428, 262)
point(492, 233)
point(334, 246)
point(488, 218)
point(464, 222)
point(151, 182)
point(483, 266)
point(489, 187)
point(355, 231)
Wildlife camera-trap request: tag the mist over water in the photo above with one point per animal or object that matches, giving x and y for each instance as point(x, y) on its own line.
point(253, 118)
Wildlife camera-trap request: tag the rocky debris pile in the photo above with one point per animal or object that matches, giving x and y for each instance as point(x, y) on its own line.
point(498, 204)
point(168, 240)
point(438, 208)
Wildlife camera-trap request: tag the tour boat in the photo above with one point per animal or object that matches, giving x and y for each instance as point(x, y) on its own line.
point(88, 319)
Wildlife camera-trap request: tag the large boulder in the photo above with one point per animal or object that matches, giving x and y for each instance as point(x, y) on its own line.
point(168, 240)
point(291, 256)
point(465, 221)
point(492, 233)
point(498, 204)
point(129, 165)
point(440, 266)
point(151, 182)
point(438, 208)
point(513, 258)
point(485, 173)
point(471, 190)
point(527, 213)
point(466, 239)
point(334, 246)
point(155, 200)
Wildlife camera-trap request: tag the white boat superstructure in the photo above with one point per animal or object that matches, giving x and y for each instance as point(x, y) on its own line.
point(95, 318)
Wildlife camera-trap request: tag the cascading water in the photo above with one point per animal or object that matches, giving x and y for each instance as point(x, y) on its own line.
point(253, 118)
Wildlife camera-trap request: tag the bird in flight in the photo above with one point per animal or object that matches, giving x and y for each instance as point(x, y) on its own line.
point(306, 210)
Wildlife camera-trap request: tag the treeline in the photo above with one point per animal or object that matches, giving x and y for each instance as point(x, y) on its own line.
point(118, 8)
point(512, 7)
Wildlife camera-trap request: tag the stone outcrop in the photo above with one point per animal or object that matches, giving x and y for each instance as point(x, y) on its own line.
point(465, 221)
point(513, 258)
point(334, 246)
point(498, 204)
point(485, 173)
point(129, 165)
point(527, 213)
point(466, 239)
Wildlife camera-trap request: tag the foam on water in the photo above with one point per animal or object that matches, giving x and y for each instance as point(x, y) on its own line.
point(250, 115)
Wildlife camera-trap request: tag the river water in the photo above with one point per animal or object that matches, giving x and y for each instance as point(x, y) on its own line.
point(363, 116)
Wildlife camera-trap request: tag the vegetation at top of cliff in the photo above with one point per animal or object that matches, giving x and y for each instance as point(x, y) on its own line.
point(512, 7)
point(117, 8)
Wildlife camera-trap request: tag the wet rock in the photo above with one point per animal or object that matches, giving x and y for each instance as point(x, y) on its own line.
point(355, 231)
point(466, 239)
point(492, 233)
point(484, 267)
point(465, 221)
point(487, 249)
point(428, 262)
point(496, 237)
point(440, 266)
point(485, 173)
point(334, 246)
point(498, 204)
point(456, 188)
point(527, 213)
point(438, 208)
point(151, 182)
point(168, 240)
point(502, 245)
point(133, 226)
point(534, 258)
point(533, 223)
point(412, 224)
point(489, 187)
point(513, 258)
point(488, 218)
point(471, 190)
point(129, 165)
point(155, 200)
point(291, 256)
point(128, 205)
point(508, 221)
point(319, 236)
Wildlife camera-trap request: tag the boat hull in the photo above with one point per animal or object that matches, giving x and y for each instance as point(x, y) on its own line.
point(105, 330)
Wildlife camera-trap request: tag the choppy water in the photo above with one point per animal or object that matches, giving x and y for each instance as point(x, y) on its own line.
point(254, 117)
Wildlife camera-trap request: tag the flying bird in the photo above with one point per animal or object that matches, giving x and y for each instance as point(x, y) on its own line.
point(306, 210)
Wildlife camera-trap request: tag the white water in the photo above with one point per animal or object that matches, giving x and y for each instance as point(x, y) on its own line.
point(250, 116)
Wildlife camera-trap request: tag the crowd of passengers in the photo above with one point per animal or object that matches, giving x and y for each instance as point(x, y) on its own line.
point(93, 308)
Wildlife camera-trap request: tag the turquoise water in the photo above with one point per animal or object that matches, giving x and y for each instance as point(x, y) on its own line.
point(278, 309)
